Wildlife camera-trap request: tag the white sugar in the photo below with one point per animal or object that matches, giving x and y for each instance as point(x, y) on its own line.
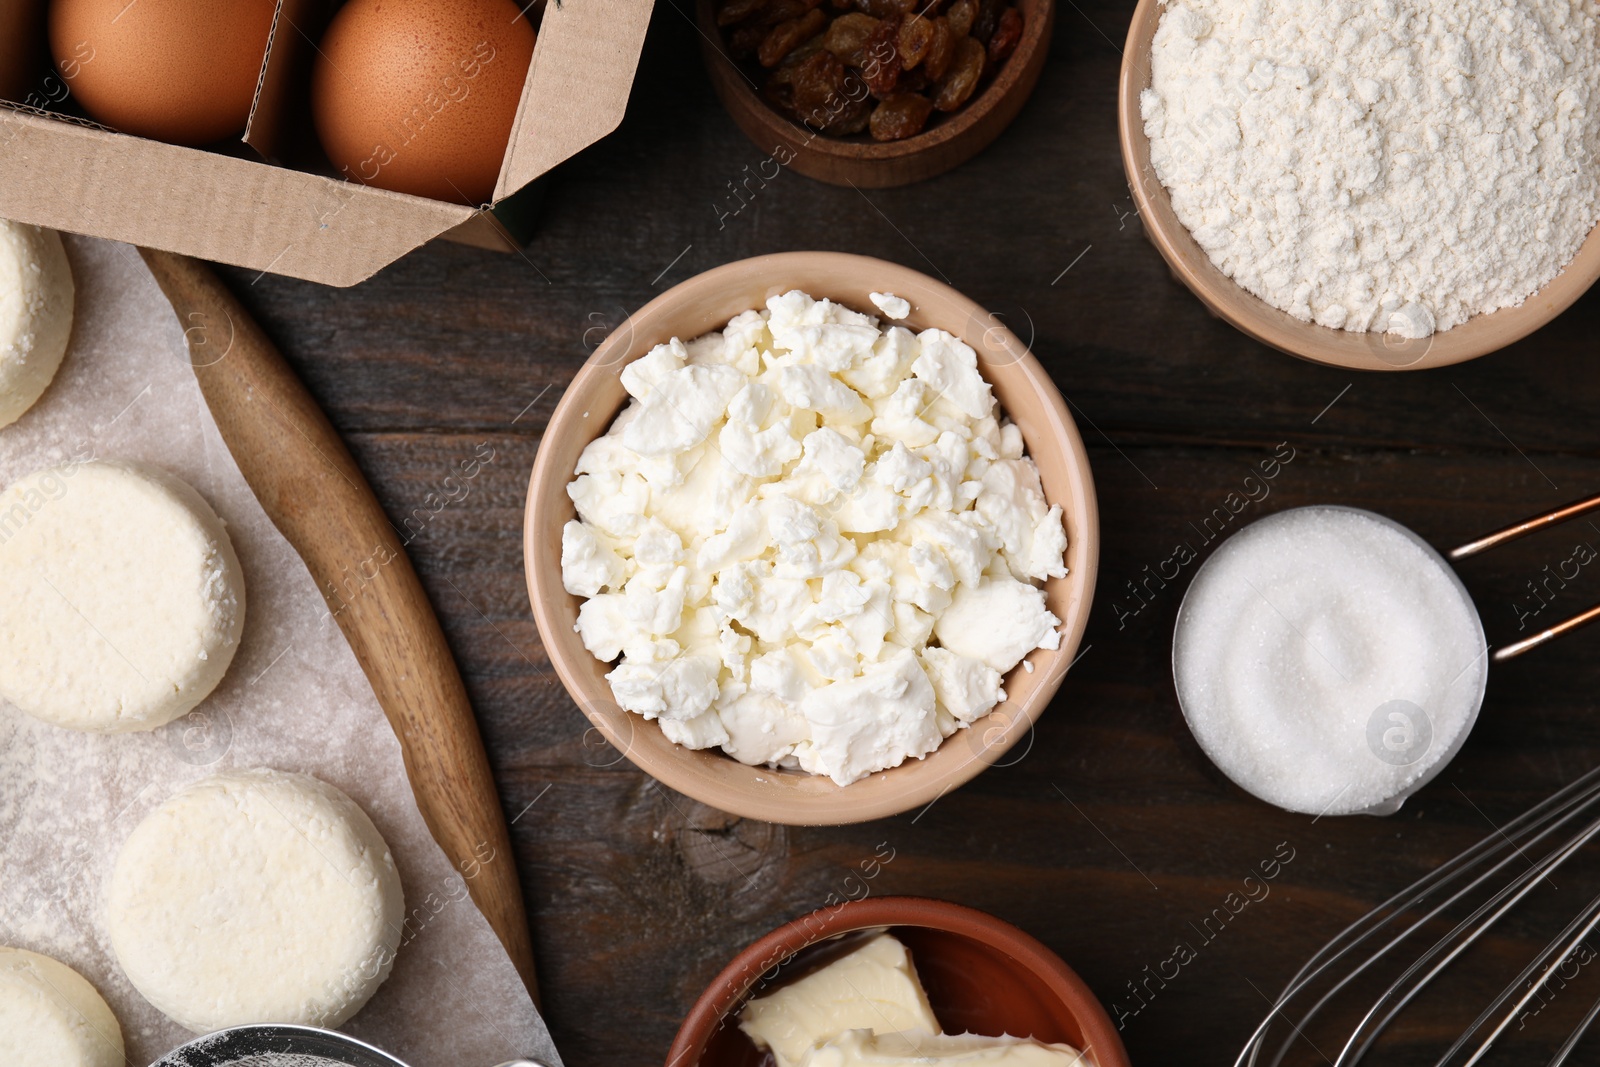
point(1328, 661)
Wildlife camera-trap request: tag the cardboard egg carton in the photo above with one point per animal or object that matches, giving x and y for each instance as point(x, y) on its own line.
point(245, 209)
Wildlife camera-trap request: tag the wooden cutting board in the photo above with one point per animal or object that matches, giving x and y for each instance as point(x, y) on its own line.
point(314, 493)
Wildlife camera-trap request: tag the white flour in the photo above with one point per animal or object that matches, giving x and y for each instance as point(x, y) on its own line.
point(1386, 165)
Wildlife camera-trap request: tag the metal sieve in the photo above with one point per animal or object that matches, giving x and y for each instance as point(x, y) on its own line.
point(281, 1045)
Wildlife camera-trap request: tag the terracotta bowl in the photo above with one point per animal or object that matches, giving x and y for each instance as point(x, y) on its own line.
point(706, 303)
point(1477, 336)
point(982, 975)
point(949, 140)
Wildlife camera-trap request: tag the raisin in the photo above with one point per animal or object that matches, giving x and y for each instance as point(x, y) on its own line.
point(958, 84)
point(1006, 35)
point(745, 40)
point(737, 11)
point(847, 37)
point(916, 35)
point(882, 67)
point(941, 51)
point(849, 111)
point(827, 97)
point(784, 74)
point(786, 36)
point(962, 14)
point(988, 18)
point(814, 82)
point(778, 11)
point(882, 9)
point(779, 87)
point(912, 81)
point(803, 51)
point(900, 116)
point(852, 119)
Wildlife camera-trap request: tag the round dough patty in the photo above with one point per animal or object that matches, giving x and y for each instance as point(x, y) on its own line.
point(121, 599)
point(50, 1014)
point(256, 896)
point(36, 296)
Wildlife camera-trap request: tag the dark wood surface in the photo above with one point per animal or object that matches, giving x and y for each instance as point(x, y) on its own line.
point(638, 896)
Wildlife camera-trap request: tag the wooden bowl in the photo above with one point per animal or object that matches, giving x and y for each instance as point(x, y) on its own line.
point(948, 142)
point(705, 303)
point(982, 975)
point(1476, 337)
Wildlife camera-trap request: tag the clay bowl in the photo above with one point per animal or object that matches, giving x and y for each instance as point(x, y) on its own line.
point(982, 976)
point(1476, 337)
point(947, 142)
point(706, 303)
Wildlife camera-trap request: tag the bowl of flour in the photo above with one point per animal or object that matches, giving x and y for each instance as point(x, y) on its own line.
point(1373, 184)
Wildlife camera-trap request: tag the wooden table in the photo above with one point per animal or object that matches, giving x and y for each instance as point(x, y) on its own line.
point(1112, 838)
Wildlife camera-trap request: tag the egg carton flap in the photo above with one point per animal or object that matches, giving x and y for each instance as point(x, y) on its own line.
point(578, 84)
point(58, 171)
point(208, 205)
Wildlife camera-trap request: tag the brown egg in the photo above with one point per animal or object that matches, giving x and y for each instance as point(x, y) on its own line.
point(183, 71)
point(418, 96)
point(21, 47)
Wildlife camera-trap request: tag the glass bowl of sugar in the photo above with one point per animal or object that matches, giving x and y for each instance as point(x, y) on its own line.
point(1329, 661)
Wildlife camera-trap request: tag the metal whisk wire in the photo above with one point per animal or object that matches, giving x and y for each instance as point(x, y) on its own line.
point(1578, 929)
point(1477, 865)
point(1501, 903)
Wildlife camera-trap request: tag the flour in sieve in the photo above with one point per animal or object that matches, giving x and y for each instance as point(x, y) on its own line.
point(1387, 165)
point(213, 1051)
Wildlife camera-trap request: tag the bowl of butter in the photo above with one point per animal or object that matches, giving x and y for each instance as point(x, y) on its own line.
point(897, 980)
point(812, 538)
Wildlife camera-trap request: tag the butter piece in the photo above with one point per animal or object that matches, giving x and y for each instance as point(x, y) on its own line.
point(862, 1048)
point(873, 989)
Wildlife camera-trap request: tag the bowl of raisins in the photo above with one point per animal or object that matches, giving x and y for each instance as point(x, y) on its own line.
point(874, 93)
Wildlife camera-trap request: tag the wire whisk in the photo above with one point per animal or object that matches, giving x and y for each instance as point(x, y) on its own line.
point(1508, 866)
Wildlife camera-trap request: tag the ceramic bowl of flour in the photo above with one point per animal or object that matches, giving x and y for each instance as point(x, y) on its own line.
point(1478, 335)
point(707, 302)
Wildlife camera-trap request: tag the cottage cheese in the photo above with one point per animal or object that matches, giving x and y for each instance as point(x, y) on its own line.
point(811, 541)
point(51, 1016)
point(36, 298)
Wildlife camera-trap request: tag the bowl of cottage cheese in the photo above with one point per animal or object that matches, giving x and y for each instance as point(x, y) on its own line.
point(812, 538)
point(1373, 184)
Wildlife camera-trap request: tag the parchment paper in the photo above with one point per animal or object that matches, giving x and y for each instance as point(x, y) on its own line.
point(294, 699)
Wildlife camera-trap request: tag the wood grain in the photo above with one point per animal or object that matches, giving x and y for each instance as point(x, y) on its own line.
point(637, 895)
point(317, 497)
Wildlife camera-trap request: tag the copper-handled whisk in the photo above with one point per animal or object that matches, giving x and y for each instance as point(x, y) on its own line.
point(1493, 878)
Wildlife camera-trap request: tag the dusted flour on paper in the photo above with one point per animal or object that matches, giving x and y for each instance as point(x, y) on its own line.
point(294, 699)
point(1386, 165)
